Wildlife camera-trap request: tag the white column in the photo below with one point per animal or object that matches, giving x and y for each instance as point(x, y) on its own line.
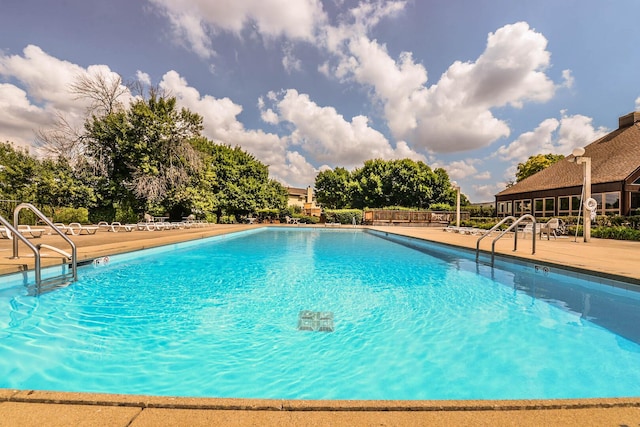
point(586, 165)
point(457, 188)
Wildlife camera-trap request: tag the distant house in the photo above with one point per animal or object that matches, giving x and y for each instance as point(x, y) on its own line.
point(556, 190)
point(305, 200)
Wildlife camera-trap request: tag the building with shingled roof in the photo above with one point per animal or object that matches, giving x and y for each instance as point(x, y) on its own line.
point(557, 190)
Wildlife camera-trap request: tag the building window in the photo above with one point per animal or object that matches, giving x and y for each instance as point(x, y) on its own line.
point(608, 203)
point(568, 205)
point(575, 205)
point(504, 208)
point(598, 198)
point(544, 207)
point(538, 207)
point(635, 202)
point(612, 203)
point(563, 205)
point(522, 207)
point(549, 206)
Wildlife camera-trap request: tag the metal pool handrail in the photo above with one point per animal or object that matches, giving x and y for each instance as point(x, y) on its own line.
point(495, 227)
point(18, 236)
point(515, 236)
point(74, 252)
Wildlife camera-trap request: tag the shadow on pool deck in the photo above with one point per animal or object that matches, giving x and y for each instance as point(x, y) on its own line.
point(616, 259)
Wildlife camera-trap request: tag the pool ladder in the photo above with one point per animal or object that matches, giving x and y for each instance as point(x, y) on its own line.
point(55, 282)
point(513, 225)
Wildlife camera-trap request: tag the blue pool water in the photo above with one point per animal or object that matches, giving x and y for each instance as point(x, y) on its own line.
point(220, 319)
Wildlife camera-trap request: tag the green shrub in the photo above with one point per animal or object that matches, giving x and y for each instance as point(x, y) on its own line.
point(225, 219)
point(67, 215)
point(343, 216)
point(617, 233)
point(441, 207)
point(308, 219)
point(125, 215)
point(101, 213)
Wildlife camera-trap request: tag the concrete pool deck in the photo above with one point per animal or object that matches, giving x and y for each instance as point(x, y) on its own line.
point(37, 408)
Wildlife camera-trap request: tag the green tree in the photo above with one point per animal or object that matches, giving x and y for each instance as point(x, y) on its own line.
point(145, 153)
point(368, 188)
point(18, 174)
point(411, 183)
point(535, 164)
point(332, 188)
point(238, 183)
point(60, 185)
point(405, 182)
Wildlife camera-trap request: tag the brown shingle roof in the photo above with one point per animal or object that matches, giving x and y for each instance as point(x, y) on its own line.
point(293, 191)
point(613, 158)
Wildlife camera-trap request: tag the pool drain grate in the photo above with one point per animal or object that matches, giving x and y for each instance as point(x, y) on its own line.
point(318, 321)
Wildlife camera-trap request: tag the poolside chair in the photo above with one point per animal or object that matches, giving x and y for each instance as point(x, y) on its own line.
point(550, 228)
point(114, 226)
point(146, 226)
point(33, 232)
point(117, 226)
point(63, 228)
point(528, 229)
point(77, 229)
point(5, 233)
point(25, 230)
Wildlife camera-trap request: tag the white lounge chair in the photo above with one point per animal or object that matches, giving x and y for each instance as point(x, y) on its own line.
point(25, 230)
point(77, 229)
point(115, 226)
point(33, 232)
point(104, 225)
point(63, 228)
point(146, 226)
point(5, 233)
point(125, 227)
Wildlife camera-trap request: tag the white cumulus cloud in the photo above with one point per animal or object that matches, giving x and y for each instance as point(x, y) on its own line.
point(455, 113)
point(329, 138)
point(39, 91)
point(553, 136)
point(194, 22)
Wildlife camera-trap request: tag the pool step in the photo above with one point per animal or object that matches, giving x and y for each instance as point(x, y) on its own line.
point(317, 321)
point(51, 284)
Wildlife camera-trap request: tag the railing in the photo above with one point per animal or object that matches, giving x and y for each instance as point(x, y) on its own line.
point(18, 236)
point(515, 235)
point(74, 253)
point(406, 217)
point(495, 227)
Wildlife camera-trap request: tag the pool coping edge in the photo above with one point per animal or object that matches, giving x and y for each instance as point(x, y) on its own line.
point(206, 403)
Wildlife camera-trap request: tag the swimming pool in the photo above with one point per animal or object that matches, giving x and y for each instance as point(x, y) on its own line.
point(409, 320)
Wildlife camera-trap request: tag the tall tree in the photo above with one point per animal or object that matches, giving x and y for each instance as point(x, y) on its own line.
point(332, 188)
point(239, 184)
point(105, 94)
point(18, 174)
point(403, 182)
point(145, 152)
point(535, 164)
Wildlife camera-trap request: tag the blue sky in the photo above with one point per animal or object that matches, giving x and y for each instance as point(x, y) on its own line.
point(471, 86)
